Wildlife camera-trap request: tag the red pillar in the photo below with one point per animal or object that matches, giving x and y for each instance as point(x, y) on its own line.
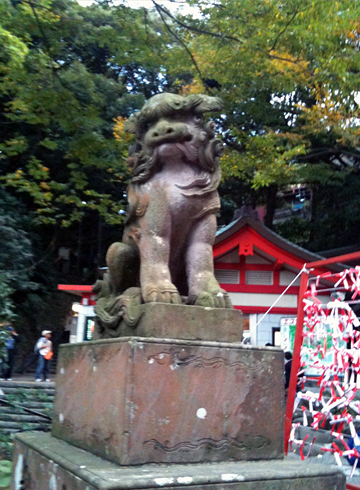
point(295, 364)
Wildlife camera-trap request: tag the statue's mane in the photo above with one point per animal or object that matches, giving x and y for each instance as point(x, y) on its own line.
point(166, 105)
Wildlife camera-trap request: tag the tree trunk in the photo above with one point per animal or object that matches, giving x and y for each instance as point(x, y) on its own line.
point(314, 207)
point(79, 248)
point(270, 196)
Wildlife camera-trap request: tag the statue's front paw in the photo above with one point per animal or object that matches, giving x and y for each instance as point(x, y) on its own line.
point(218, 299)
point(161, 293)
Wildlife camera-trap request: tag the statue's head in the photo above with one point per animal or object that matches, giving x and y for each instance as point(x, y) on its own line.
point(171, 126)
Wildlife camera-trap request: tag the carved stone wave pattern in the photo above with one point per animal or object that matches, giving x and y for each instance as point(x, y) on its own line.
point(173, 360)
point(256, 442)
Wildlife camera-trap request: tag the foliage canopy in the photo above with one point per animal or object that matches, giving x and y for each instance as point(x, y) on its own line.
point(70, 76)
point(67, 73)
point(289, 73)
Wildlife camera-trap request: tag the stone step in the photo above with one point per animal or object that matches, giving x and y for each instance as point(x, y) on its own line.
point(4, 410)
point(76, 468)
point(32, 370)
point(315, 450)
point(37, 406)
point(323, 439)
point(9, 431)
point(322, 436)
point(20, 385)
point(21, 395)
point(21, 418)
point(326, 426)
point(32, 392)
point(29, 425)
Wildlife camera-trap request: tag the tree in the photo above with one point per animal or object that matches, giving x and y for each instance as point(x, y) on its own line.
point(68, 73)
point(16, 258)
point(335, 222)
point(74, 70)
point(288, 73)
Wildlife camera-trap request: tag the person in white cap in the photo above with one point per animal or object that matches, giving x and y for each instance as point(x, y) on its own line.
point(45, 350)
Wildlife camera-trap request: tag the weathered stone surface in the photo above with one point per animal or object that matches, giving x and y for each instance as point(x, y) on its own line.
point(43, 462)
point(185, 322)
point(140, 400)
point(166, 249)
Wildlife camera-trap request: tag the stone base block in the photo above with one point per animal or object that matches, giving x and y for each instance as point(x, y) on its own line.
point(43, 462)
point(142, 400)
point(163, 320)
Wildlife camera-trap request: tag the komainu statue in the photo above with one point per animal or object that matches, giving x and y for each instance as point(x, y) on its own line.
point(166, 252)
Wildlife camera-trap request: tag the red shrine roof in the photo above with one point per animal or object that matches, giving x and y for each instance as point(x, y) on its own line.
point(247, 235)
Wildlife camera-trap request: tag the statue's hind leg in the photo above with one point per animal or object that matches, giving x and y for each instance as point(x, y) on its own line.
point(123, 266)
point(117, 294)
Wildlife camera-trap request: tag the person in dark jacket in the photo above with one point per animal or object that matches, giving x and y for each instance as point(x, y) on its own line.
point(288, 362)
point(353, 444)
point(10, 346)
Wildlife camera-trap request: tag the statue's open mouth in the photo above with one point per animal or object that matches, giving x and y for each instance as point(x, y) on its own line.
point(189, 151)
point(185, 150)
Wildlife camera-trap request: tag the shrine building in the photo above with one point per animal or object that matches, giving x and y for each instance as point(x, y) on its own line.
point(255, 265)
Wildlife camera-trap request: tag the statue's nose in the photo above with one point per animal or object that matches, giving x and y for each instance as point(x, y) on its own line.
point(168, 131)
point(163, 131)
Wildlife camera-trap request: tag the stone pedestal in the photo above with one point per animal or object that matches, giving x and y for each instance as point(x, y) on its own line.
point(212, 411)
point(44, 462)
point(146, 400)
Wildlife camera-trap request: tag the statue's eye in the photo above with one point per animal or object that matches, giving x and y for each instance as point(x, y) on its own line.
point(199, 119)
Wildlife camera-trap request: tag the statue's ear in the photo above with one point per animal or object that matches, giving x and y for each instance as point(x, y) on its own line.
point(131, 124)
point(135, 148)
point(205, 103)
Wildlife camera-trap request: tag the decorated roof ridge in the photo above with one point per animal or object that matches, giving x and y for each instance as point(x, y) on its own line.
point(300, 252)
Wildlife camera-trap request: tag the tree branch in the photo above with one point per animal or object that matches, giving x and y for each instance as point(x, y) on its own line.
point(146, 24)
point(195, 29)
point(282, 32)
point(223, 36)
point(39, 25)
point(320, 154)
point(181, 42)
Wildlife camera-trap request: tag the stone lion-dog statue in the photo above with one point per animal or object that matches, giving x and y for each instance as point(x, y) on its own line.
point(166, 251)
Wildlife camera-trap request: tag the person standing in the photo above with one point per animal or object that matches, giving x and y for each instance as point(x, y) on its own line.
point(287, 368)
point(45, 349)
point(10, 346)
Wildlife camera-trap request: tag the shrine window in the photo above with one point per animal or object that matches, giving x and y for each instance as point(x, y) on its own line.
point(225, 276)
point(261, 278)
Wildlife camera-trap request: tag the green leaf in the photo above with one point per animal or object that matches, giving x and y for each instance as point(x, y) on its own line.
point(5, 473)
point(52, 145)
